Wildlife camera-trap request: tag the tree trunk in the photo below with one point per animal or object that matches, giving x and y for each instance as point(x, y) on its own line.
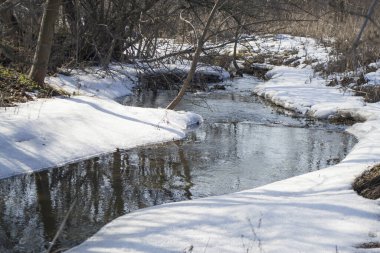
point(200, 43)
point(45, 41)
point(236, 65)
point(367, 18)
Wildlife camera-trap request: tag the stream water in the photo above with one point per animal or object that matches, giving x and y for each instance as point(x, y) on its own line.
point(243, 143)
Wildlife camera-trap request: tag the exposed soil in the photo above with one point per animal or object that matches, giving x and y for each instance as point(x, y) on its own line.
point(368, 184)
point(17, 88)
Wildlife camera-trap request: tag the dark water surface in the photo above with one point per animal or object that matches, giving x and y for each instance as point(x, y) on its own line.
point(242, 144)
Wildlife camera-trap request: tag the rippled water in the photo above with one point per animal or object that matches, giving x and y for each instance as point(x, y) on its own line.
point(242, 144)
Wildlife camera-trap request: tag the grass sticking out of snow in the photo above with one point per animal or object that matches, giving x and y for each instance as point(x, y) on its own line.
point(368, 184)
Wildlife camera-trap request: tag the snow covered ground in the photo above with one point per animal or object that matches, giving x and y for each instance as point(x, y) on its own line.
point(51, 132)
point(315, 212)
point(301, 49)
point(373, 78)
point(117, 81)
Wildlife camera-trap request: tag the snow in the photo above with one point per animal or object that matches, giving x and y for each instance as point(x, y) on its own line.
point(373, 78)
point(115, 82)
point(315, 212)
point(298, 90)
point(51, 132)
point(302, 48)
point(374, 65)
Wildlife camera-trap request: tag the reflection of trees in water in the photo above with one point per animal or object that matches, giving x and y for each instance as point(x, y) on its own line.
point(45, 205)
point(106, 187)
point(18, 218)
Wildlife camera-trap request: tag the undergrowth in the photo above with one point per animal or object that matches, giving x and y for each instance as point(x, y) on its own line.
point(16, 87)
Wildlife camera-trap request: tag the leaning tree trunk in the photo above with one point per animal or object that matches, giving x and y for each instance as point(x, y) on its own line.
point(45, 41)
point(237, 33)
point(201, 41)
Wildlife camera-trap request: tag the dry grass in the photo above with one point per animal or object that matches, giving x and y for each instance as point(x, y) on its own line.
point(339, 28)
point(371, 94)
point(368, 184)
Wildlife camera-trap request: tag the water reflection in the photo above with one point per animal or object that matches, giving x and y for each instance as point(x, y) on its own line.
point(33, 206)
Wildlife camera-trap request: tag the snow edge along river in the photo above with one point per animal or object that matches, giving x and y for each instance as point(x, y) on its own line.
point(47, 133)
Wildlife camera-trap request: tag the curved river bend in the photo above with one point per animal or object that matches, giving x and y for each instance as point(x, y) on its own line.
point(243, 143)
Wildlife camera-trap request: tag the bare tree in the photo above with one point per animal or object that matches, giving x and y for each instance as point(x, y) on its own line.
point(97, 32)
point(200, 44)
point(45, 40)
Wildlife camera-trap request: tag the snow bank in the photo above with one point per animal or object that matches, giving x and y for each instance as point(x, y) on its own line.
point(51, 132)
point(115, 82)
point(298, 90)
point(373, 78)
